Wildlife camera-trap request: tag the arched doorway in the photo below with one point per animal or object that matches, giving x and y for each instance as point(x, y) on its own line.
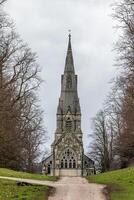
point(49, 169)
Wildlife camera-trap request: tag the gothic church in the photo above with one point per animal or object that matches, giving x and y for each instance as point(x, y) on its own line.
point(67, 153)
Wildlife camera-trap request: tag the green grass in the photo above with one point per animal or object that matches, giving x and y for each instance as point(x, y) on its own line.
point(122, 182)
point(17, 174)
point(10, 191)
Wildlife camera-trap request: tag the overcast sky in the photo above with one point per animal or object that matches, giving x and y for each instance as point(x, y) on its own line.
point(44, 25)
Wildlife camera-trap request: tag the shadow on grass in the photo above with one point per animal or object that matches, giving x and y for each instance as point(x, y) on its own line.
point(111, 188)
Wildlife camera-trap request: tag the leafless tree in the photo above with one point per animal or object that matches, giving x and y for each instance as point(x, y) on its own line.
point(21, 127)
point(124, 14)
point(113, 110)
point(117, 119)
point(100, 144)
point(2, 2)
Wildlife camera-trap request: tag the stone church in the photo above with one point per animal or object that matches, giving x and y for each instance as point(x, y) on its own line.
point(67, 153)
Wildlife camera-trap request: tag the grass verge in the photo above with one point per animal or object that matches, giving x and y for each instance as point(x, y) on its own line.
point(17, 174)
point(120, 183)
point(10, 191)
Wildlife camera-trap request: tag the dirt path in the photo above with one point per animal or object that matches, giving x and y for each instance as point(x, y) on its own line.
point(70, 188)
point(77, 188)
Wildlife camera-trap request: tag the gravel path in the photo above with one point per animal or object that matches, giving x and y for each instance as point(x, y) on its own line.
point(77, 188)
point(70, 188)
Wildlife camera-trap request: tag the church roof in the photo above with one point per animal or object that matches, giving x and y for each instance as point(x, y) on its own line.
point(86, 157)
point(69, 64)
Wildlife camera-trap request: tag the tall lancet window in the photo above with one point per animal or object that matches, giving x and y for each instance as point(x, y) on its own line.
point(69, 82)
point(68, 125)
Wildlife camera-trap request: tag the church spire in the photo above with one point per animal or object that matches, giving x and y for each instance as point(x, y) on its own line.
point(69, 64)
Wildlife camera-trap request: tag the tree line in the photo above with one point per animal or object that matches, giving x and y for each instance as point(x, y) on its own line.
point(21, 123)
point(112, 146)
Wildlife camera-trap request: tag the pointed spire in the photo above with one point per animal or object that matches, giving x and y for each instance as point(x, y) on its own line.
point(69, 64)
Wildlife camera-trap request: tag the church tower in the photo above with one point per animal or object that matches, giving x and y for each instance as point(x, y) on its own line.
point(67, 158)
point(68, 111)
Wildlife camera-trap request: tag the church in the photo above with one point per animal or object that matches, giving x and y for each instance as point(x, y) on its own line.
point(67, 153)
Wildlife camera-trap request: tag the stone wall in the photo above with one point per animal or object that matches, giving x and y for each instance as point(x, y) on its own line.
point(68, 172)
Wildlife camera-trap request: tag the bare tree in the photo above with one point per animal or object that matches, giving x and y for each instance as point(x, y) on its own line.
point(100, 144)
point(2, 2)
point(124, 14)
point(115, 123)
point(107, 127)
point(113, 110)
point(21, 127)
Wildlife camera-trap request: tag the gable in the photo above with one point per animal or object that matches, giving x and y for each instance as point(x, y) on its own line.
point(68, 140)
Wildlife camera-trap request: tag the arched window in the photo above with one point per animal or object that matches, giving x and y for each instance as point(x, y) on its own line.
point(62, 166)
point(66, 164)
point(70, 164)
point(74, 164)
point(69, 82)
point(68, 159)
point(68, 125)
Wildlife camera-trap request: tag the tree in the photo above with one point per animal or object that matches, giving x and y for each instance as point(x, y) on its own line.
point(116, 120)
point(21, 127)
point(113, 110)
point(124, 14)
point(2, 2)
point(100, 144)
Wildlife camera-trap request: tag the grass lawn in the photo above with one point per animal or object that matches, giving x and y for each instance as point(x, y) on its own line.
point(10, 191)
point(16, 174)
point(122, 182)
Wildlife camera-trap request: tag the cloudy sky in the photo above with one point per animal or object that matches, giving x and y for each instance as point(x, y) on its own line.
point(44, 25)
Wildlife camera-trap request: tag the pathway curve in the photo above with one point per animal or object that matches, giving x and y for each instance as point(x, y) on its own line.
point(70, 188)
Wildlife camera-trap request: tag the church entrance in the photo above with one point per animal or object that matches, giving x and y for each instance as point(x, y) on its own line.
point(49, 169)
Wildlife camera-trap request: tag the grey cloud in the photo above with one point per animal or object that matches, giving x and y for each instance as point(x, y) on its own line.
point(44, 25)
